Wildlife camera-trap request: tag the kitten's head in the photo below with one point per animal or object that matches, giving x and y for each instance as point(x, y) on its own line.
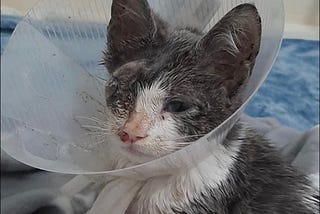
point(170, 86)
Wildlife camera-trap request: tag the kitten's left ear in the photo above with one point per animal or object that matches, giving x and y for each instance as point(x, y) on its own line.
point(231, 46)
point(133, 28)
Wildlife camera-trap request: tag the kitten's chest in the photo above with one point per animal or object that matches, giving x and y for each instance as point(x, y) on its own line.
point(157, 195)
point(170, 194)
point(166, 194)
point(180, 191)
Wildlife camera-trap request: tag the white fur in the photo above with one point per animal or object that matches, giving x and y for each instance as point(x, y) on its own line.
point(150, 100)
point(161, 194)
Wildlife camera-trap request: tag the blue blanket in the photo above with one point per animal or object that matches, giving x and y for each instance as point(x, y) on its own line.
point(291, 91)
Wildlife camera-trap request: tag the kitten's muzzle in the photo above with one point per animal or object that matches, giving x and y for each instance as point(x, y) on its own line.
point(135, 128)
point(129, 137)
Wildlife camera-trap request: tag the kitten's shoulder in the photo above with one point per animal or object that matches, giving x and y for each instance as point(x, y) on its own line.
point(267, 182)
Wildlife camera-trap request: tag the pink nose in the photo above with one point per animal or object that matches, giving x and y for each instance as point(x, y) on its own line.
point(130, 137)
point(135, 128)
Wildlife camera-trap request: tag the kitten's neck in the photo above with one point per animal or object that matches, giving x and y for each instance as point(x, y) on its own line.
point(191, 184)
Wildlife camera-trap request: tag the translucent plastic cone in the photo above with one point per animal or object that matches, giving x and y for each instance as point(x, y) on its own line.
point(52, 83)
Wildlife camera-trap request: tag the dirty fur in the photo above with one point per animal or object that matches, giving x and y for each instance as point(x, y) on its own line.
point(187, 83)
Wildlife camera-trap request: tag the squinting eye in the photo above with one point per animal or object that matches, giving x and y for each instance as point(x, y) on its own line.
point(176, 106)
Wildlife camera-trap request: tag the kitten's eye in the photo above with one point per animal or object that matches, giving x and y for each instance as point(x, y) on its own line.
point(176, 106)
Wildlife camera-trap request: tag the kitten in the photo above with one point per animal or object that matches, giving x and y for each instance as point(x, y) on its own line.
point(170, 85)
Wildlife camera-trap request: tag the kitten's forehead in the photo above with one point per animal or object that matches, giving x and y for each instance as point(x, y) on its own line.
point(130, 69)
point(164, 60)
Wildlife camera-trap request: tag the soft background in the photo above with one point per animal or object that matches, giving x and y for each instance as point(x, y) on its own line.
point(291, 91)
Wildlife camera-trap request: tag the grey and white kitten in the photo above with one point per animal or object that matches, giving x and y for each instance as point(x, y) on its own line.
point(168, 87)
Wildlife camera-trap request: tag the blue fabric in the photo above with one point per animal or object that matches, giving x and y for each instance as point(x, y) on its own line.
point(8, 23)
point(290, 93)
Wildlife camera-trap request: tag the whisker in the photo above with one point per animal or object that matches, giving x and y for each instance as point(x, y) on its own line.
point(94, 119)
point(104, 114)
point(183, 143)
point(88, 141)
point(184, 137)
point(174, 149)
point(101, 78)
point(195, 135)
point(94, 134)
point(90, 145)
point(94, 127)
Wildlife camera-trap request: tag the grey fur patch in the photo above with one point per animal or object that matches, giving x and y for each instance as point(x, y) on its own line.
point(209, 72)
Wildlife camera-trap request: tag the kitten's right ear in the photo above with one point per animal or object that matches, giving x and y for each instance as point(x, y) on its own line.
point(232, 45)
point(133, 27)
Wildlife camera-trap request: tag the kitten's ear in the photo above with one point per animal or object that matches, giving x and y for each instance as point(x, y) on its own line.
point(232, 45)
point(132, 28)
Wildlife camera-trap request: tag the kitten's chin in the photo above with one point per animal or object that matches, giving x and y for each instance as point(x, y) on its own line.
point(134, 155)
